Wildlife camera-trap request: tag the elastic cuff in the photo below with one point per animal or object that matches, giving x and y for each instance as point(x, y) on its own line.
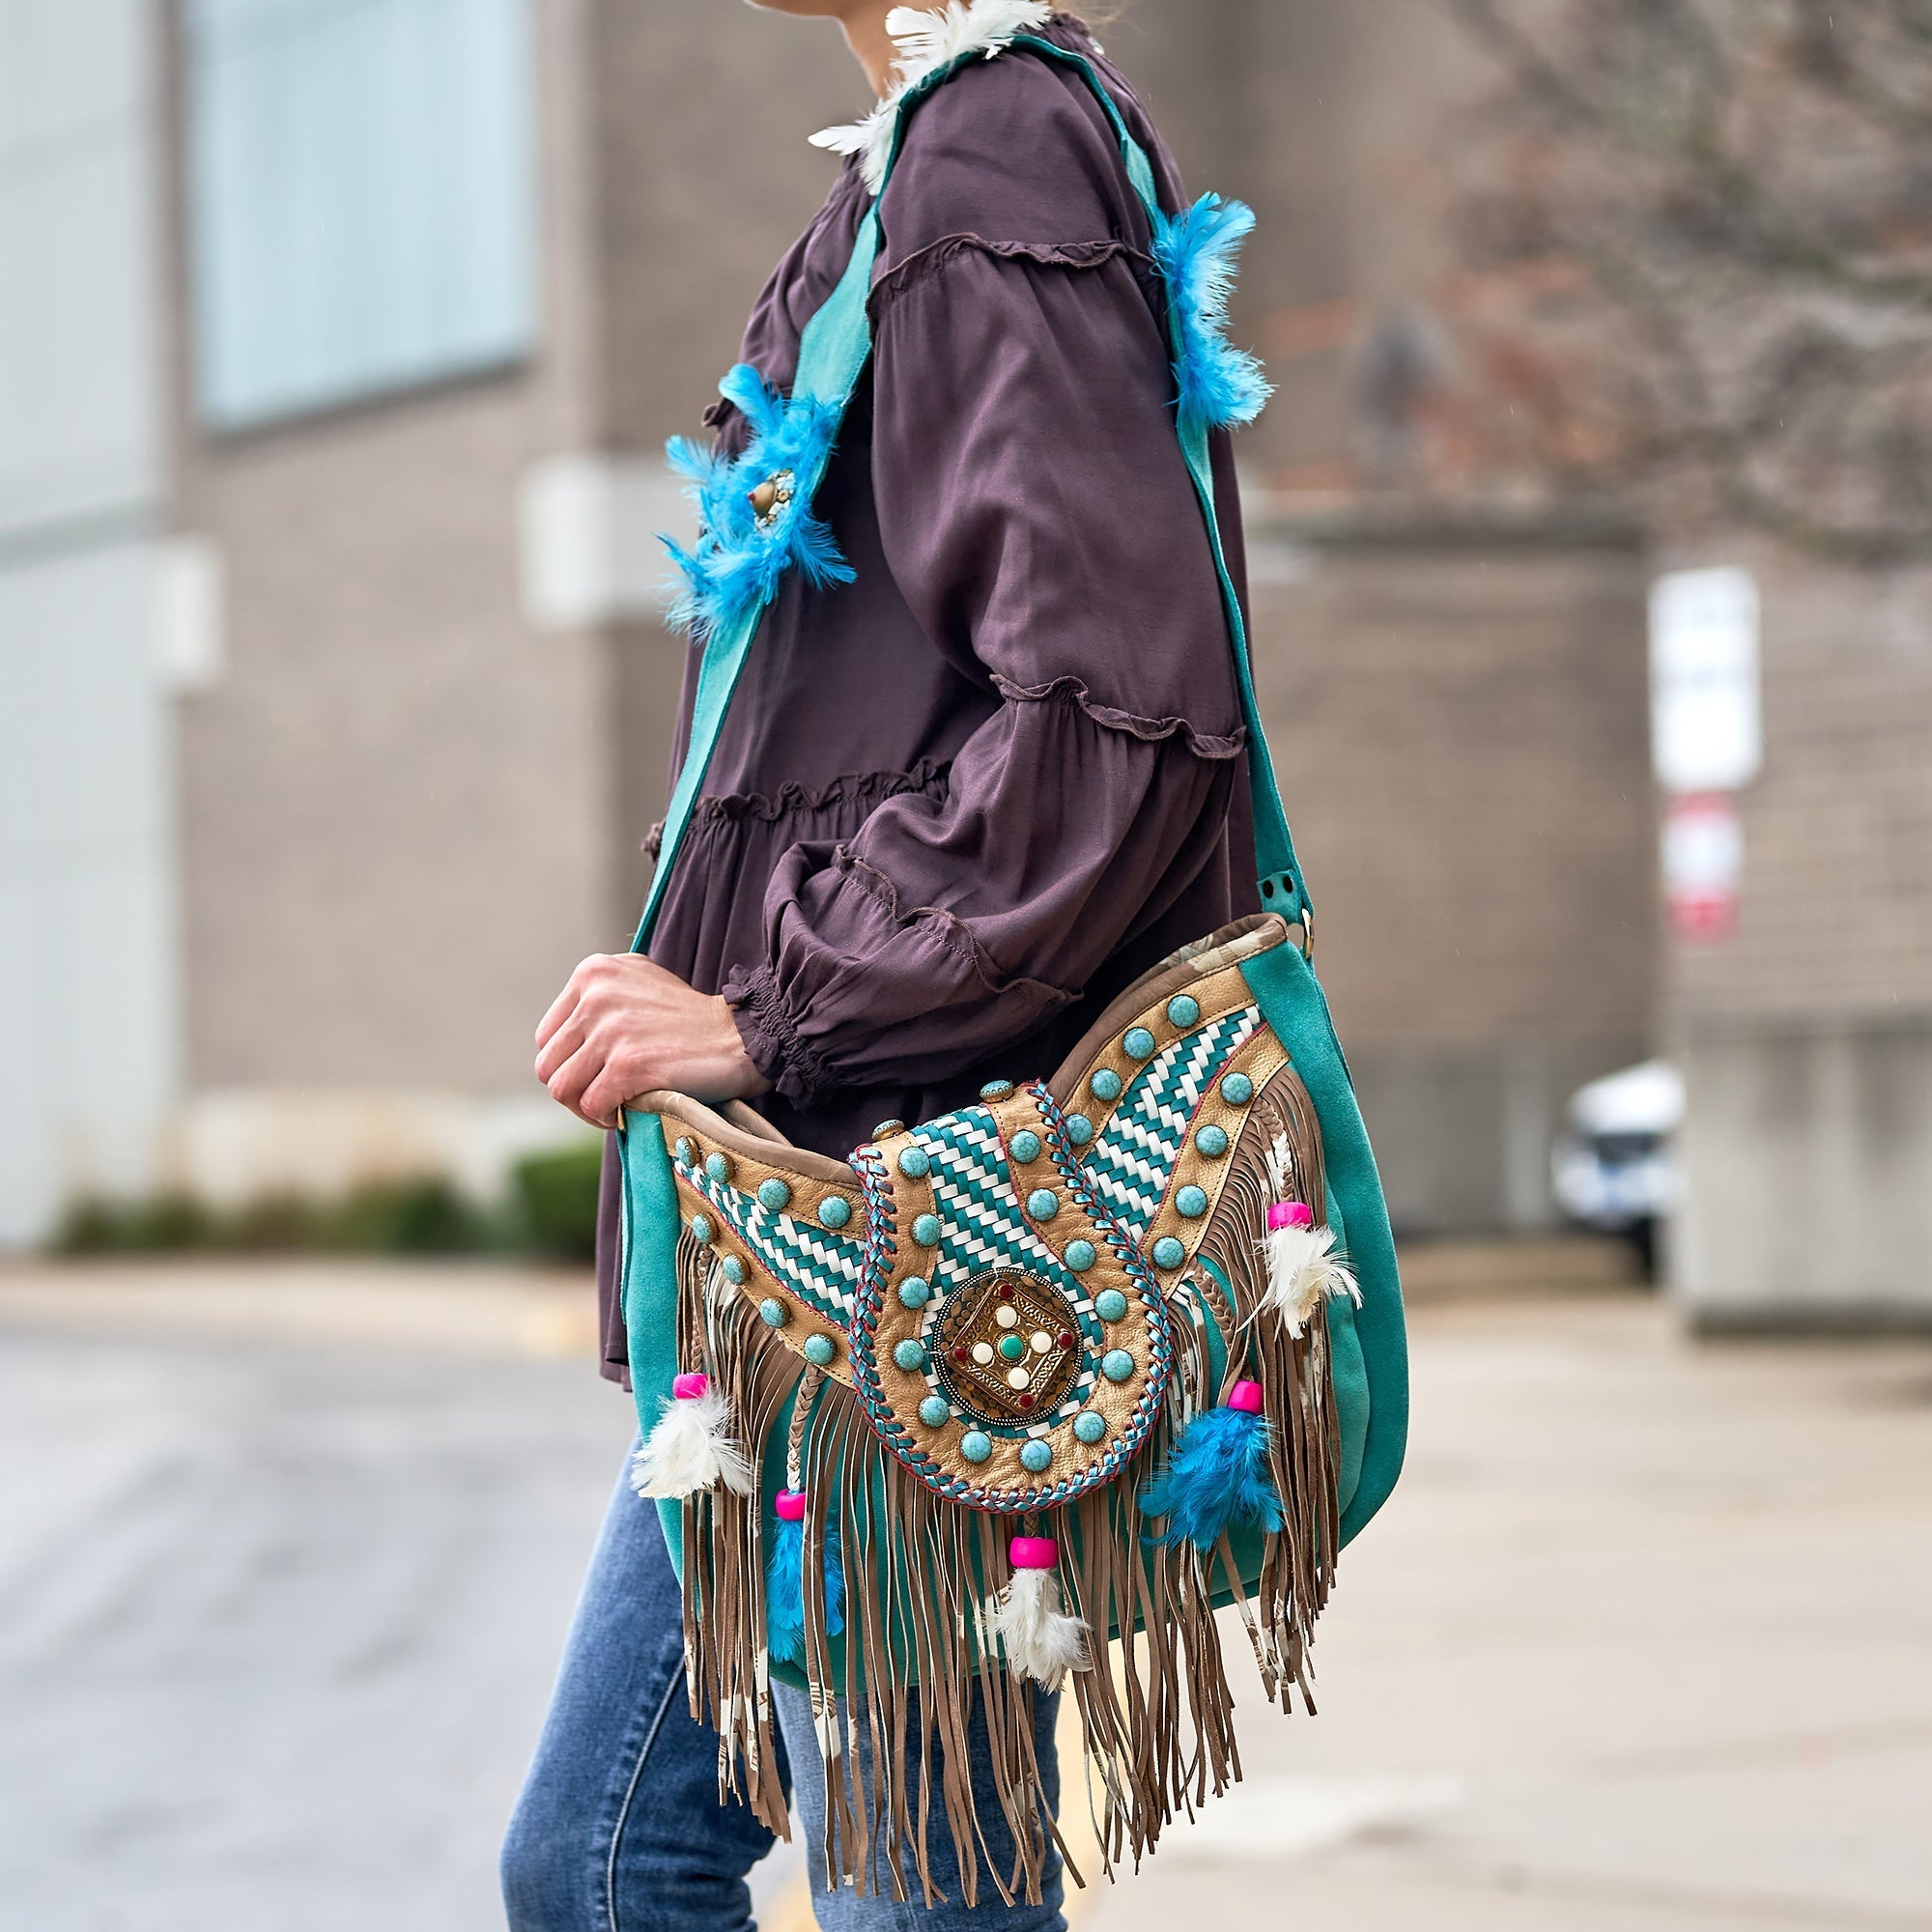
point(772, 1038)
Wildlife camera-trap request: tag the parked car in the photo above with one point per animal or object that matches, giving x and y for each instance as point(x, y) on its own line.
point(1614, 1164)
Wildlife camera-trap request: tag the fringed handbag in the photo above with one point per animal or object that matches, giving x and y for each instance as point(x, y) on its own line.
point(1081, 1362)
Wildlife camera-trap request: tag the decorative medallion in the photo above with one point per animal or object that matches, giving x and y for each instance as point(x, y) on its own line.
point(1006, 1348)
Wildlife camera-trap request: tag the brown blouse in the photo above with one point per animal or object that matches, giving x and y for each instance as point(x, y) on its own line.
point(963, 801)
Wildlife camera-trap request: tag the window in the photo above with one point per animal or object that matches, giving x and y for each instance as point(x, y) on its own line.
point(363, 197)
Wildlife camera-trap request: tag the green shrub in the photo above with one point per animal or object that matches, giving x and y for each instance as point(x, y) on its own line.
point(425, 1216)
point(275, 1224)
point(160, 1224)
point(408, 1218)
point(556, 1200)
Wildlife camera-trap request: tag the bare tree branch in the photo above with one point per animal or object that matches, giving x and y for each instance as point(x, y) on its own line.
point(1744, 191)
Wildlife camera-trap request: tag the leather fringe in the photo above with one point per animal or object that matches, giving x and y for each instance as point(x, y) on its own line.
point(921, 1576)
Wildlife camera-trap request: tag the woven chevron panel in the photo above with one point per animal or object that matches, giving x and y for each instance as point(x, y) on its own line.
point(823, 1270)
point(1131, 1160)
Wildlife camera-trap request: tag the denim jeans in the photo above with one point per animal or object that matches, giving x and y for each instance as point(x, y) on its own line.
point(619, 1828)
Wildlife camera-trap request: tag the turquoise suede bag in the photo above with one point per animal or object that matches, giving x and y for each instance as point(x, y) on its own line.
point(1075, 1365)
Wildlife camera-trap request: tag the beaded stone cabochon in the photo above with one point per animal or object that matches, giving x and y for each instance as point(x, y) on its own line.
point(1055, 1368)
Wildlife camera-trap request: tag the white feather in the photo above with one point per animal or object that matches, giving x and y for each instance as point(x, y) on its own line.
point(926, 41)
point(692, 1449)
point(1041, 1641)
point(985, 27)
point(1303, 1271)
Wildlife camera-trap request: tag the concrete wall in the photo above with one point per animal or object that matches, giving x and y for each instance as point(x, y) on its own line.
point(1807, 1167)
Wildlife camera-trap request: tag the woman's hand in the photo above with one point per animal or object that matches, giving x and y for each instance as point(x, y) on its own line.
point(623, 1026)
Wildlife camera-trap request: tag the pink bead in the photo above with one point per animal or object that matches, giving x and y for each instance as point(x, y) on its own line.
point(1289, 1215)
point(689, 1387)
point(1034, 1552)
point(791, 1505)
point(1246, 1397)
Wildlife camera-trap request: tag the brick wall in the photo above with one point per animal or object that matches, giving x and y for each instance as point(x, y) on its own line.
point(1461, 727)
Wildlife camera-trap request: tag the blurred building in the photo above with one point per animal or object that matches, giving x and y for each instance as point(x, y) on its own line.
point(1805, 1030)
point(91, 890)
point(343, 342)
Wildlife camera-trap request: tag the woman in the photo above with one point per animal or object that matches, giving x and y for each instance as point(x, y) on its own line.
point(961, 800)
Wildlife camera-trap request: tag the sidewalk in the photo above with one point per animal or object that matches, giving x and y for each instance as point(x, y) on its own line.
point(1642, 1643)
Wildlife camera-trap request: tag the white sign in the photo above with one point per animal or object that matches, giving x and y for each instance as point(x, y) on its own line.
point(1705, 733)
point(191, 614)
point(587, 526)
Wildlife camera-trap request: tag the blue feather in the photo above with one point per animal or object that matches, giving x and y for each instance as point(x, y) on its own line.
point(1219, 385)
point(784, 1597)
point(737, 563)
point(785, 1591)
point(1216, 1478)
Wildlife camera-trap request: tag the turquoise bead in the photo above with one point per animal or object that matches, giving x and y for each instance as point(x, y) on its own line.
point(701, 1229)
point(915, 1163)
point(886, 1127)
point(818, 1351)
point(910, 1354)
point(1110, 1304)
point(1212, 1140)
point(997, 1090)
point(774, 1313)
point(1089, 1427)
point(934, 1410)
point(719, 1167)
point(774, 1195)
point(1079, 1129)
point(1190, 1204)
point(1183, 1009)
point(913, 1292)
point(1238, 1090)
point(1167, 1253)
point(925, 1231)
point(1025, 1145)
point(684, 1150)
point(1137, 1043)
point(1106, 1085)
point(834, 1212)
point(1037, 1456)
point(976, 1445)
point(1012, 1346)
point(1042, 1204)
point(1080, 1256)
point(734, 1270)
point(1117, 1365)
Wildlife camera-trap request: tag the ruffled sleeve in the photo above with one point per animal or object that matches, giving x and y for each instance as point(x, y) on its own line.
point(1039, 522)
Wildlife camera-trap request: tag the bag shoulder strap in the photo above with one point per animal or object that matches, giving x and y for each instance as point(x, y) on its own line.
point(833, 348)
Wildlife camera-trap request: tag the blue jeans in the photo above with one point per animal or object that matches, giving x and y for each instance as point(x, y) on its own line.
point(619, 1828)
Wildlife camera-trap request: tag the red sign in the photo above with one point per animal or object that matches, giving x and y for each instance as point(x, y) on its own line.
point(1703, 866)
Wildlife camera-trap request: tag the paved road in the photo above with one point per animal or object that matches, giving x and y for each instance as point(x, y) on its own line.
point(1643, 1645)
point(277, 1616)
